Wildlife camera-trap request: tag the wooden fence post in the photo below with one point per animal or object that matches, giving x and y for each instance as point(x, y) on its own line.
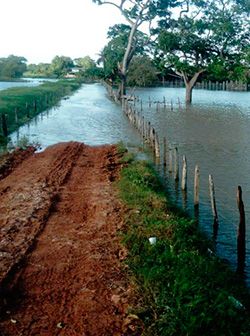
point(149, 101)
point(184, 174)
point(157, 146)
point(179, 102)
point(196, 185)
point(27, 109)
point(4, 125)
point(16, 115)
point(176, 164)
point(241, 238)
point(172, 105)
point(170, 160)
point(213, 203)
point(164, 152)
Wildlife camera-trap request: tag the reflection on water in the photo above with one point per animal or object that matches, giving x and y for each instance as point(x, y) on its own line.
point(213, 133)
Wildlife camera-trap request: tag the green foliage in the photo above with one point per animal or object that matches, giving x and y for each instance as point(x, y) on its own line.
point(207, 36)
point(118, 54)
point(12, 67)
point(42, 70)
point(61, 65)
point(183, 288)
point(23, 103)
point(142, 72)
point(113, 53)
point(88, 70)
point(85, 63)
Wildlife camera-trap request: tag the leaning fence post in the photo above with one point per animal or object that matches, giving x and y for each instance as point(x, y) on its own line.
point(184, 174)
point(213, 202)
point(196, 185)
point(241, 238)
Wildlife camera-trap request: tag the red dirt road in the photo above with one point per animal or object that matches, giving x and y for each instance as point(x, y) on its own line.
point(60, 272)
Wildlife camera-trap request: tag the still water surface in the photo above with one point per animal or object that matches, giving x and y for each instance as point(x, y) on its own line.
point(214, 134)
point(25, 82)
point(87, 116)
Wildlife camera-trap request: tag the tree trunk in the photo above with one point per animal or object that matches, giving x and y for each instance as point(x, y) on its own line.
point(122, 86)
point(190, 84)
point(189, 93)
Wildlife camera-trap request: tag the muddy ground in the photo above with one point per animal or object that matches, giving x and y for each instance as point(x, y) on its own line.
point(61, 270)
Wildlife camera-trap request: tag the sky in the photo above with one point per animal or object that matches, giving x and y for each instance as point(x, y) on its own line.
point(42, 29)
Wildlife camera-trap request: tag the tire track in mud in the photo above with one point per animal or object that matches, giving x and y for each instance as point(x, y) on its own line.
point(72, 282)
point(26, 197)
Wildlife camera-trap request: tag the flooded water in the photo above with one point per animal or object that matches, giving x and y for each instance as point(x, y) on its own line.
point(87, 116)
point(26, 82)
point(213, 133)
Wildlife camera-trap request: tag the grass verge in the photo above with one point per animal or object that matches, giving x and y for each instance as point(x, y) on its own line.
point(183, 288)
point(21, 104)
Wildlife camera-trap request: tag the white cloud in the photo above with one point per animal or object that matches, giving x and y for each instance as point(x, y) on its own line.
point(41, 29)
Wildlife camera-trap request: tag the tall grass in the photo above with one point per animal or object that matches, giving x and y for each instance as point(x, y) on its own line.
point(22, 103)
point(184, 289)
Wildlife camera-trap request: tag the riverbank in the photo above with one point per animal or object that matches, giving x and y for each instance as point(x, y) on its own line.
point(182, 286)
point(64, 213)
point(19, 105)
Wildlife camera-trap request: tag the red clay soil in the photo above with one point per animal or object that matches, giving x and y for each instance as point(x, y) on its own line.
point(60, 255)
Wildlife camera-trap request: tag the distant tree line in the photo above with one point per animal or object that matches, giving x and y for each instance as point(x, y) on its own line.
point(15, 67)
point(63, 66)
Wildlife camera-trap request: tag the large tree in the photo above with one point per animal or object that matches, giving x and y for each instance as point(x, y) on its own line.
point(61, 65)
point(205, 33)
point(12, 66)
point(136, 12)
point(113, 53)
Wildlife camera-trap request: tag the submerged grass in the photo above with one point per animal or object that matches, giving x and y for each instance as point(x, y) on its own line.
point(21, 104)
point(183, 288)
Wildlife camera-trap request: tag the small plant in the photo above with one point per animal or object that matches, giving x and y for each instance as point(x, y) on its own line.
point(23, 142)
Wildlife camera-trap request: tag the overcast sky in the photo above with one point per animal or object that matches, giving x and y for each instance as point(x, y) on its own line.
point(42, 29)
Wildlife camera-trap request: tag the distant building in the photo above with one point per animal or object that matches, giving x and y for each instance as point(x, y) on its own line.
point(73, 73)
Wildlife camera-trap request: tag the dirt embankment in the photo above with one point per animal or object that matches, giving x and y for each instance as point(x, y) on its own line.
point(60, 269)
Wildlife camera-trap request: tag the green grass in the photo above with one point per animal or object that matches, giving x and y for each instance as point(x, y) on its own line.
point(183, 288)
point(30, 101)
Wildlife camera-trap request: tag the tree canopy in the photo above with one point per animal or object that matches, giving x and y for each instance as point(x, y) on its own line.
point(61, 65)
point(142, 72)
point(136, 12)
point(206, 35)
point(113, 53)
point(12, 66)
